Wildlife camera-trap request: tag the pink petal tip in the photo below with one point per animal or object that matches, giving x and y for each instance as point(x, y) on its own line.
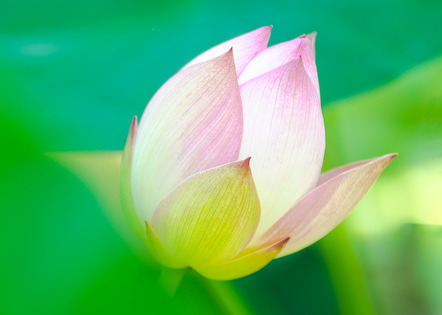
point(133, 125)
point(246, 163)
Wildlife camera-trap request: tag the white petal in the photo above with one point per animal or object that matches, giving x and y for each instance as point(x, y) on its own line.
point(284, 135)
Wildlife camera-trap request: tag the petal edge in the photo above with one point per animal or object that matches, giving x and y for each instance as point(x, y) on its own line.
point(126, 198)
point(245, 47)
point(161, 254)
point(246, 263)
point(322, 209)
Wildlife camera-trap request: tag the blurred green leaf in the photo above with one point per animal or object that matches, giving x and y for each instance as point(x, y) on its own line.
point(404, 116)
point(86, 67)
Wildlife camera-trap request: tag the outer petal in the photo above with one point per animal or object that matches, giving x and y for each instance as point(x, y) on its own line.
point(308, 57)
point(284, 132)
point(211, 216)
point(246, 263)
point(271, 58)
point(158, 250)
point(312, 37)
point(127, 203)
point(245, 47)
point(194, 122)
point(280, 54)
point(327, 205)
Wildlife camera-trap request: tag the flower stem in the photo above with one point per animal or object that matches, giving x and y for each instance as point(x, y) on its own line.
point(170, 280)
point(226, 297)
point(347, 273)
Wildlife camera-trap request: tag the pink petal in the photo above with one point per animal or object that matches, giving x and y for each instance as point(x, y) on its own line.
point(284, 133)
point(308, 57)
point(280, 54)
point(245, 47)
point(312, 37)
point(271, 58)
point(321, 210)
point(194, 122)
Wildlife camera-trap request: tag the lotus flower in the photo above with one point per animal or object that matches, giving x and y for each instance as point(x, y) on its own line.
point(223, 172)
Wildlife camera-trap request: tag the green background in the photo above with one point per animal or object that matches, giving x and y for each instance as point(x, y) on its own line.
point(72, 75)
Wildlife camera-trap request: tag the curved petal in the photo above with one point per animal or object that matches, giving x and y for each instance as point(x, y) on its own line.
point(245, 47)
point(327, 205)
point(194, 122)
point(271, 58)
point(127, 203)
point(308, 57)
point(312, 37)
point(246, 263)
point(284, 132)
point(280, 54)
point(210, 216)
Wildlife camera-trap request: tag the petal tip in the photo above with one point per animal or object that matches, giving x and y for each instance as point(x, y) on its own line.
point(245, 167)
point(312, 35)
point(267, 28)
point(266, 31)
point(130, 141)
point(134, 124)
point(283, 242)
point(227, 55)
point(246, 163)
point(388, 158)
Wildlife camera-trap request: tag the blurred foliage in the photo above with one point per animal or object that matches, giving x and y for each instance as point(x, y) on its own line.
point(82, 69)
point(72, 75)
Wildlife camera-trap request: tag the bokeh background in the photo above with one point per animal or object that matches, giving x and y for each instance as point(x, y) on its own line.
point(72, 75)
